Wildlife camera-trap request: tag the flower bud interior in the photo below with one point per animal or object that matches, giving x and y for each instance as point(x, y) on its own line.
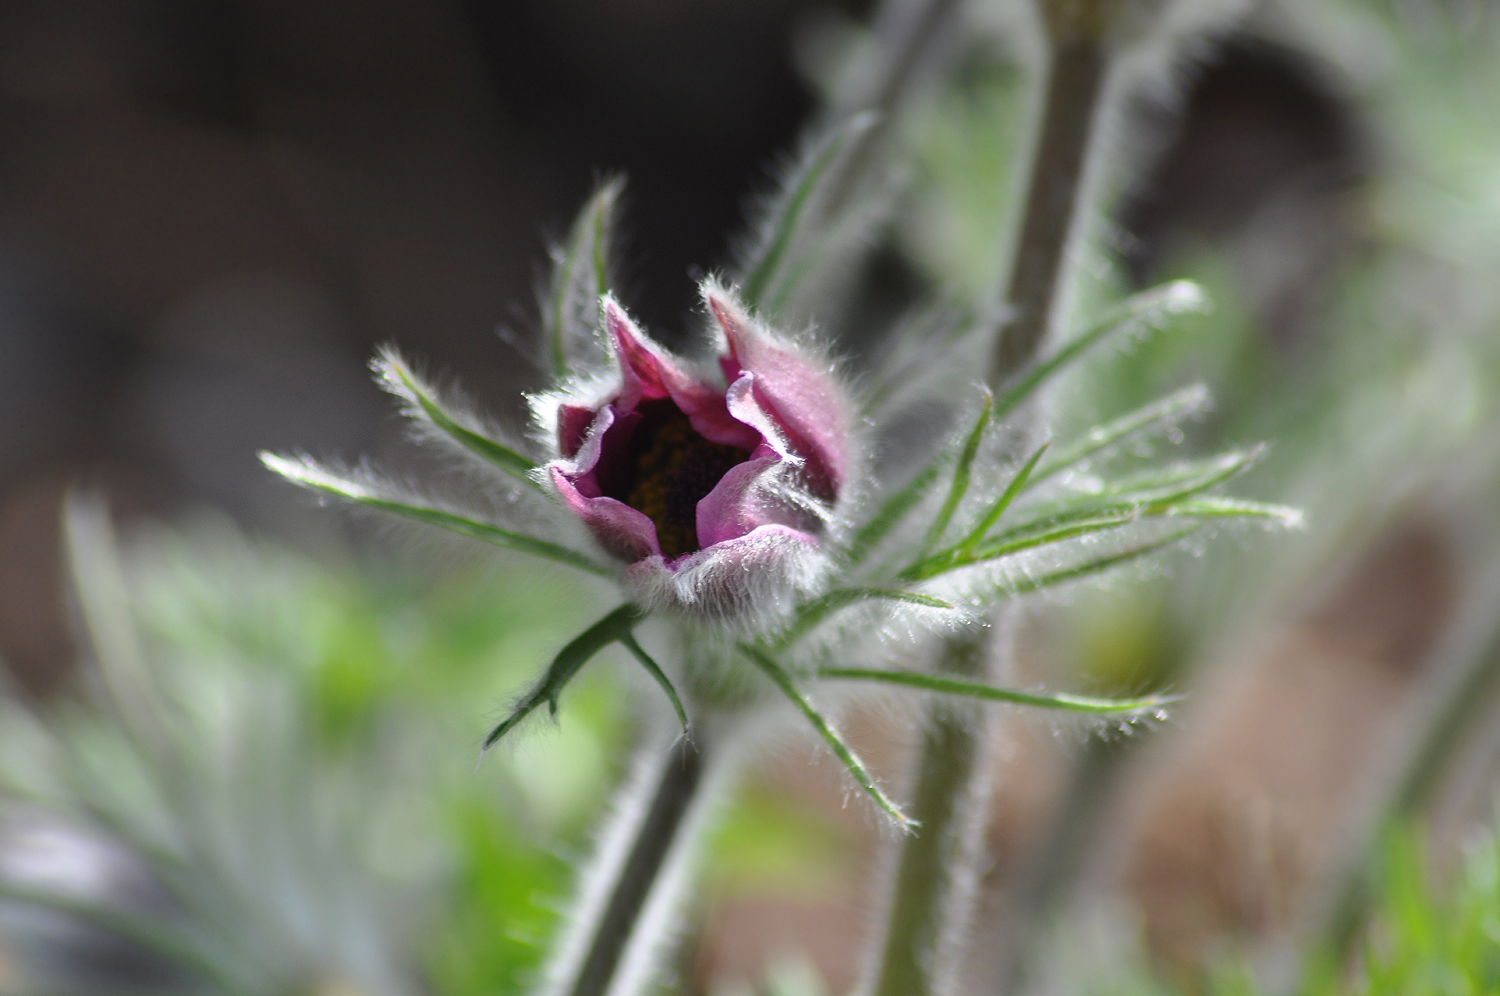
point(667, 468)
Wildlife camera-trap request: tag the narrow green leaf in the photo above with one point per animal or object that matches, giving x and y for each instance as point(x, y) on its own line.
point(962, 471)
point(811, 613)
point(1178, 479)
point(992, 693)
point(1148, 309)
point(1214, 507)
point(998, 509)
point(580, 276)
point(955, 558)
point(767, 260)
point(1164, 493)
point(399, 377)
point(1107, 435)
point(1097, 565)
point(310, 475)
point(654, 669)
point(836, 743)
point(893, 511)
point(615, 626)
point(1139, 493)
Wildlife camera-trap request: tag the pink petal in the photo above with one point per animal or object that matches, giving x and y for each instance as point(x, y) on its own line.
point(573, 422)
point(804, 400)
point(747, 408)
point(651, 372)
point(736, 505)
point(639, 367)
point(620, 529)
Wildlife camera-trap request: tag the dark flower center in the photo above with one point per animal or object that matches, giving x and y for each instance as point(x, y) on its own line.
point(674, 469)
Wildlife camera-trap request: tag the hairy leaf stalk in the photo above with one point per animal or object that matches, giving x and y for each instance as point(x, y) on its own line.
point(936, 875)
point(1075, 85)
point(934, 888)
point(616, 942)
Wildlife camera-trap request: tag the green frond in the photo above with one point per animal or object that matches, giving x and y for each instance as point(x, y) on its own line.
point(1149, 309)
point(992, 693)
point(399, 378)
point(317, 478)
point(654, 669)
point(856, 767)
point(579, 651)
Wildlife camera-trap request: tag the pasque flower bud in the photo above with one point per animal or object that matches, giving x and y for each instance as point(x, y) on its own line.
point(716, 495)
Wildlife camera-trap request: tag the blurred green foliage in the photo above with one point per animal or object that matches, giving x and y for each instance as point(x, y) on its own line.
point(349, 702)
point(375, 684)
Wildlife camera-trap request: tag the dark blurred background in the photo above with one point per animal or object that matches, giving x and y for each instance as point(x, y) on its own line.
point(211, 211)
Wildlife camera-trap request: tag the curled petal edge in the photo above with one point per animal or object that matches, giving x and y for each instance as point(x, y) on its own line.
point(797, 391)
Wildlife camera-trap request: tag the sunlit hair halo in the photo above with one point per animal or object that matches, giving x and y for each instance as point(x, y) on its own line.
point(717, 497)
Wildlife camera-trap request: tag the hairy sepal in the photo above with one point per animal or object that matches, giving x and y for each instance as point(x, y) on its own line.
point(750, 585)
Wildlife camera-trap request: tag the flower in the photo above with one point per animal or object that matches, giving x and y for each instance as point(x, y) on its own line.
point(717, 499)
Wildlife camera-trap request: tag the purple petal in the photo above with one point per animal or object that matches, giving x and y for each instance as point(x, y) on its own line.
point(736, 505)
point(573, 423)
point(747, 408)
point(802, 397)
point(651, 372)
point(620, 529)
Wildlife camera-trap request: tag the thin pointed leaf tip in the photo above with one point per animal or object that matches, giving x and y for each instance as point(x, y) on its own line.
point(581, 269)
point(715, 491)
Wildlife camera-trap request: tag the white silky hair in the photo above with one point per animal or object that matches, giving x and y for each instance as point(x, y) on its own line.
point(751, 591)
point(659, 924)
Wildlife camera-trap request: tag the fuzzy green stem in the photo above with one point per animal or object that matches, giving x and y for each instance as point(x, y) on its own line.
point(931, 907)
point(680, 778)
point(1075, 84)
point(933, 888)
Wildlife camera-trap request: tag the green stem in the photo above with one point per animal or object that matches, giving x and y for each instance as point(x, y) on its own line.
point(618, 925)
point(929, 914)
point(933, 898)
point(1075, 84)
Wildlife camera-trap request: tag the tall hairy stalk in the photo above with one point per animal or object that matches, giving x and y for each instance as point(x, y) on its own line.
point(626, 910)
point(936, 877)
